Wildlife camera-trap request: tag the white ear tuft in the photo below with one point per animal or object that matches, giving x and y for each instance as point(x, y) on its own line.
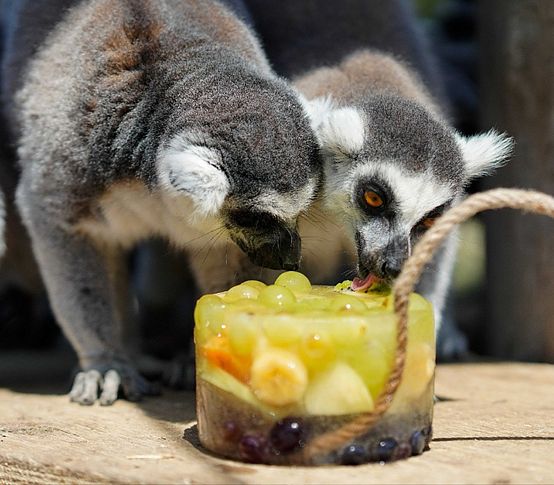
point(193, 171)
point(342, 132)
point(317, 109)
point(484, 153)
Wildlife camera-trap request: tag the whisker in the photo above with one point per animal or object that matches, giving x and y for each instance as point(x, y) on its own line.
point(213, 237)
point(204, 235)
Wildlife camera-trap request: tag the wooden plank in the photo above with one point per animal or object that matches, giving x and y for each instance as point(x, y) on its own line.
point(517, 78)
point(495, 425)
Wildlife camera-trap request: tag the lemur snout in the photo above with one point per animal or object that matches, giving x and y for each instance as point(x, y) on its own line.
point(281, 251)
point(391, 269)
point(386, 263)
point(268, 241)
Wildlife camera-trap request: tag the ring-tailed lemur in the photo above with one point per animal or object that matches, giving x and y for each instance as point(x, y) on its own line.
point(301, 36)
point(142, 117)
point(392, 164)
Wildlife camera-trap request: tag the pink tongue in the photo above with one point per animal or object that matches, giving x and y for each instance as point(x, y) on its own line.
point(358, 284)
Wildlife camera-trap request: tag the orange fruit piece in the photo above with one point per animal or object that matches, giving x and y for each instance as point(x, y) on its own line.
point(218, 352)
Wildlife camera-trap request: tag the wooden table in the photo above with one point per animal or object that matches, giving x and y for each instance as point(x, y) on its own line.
point(494, 424)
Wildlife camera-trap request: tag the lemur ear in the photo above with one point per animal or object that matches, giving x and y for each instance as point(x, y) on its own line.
point(340, 131)
point(484, 153)
point(194, 171)
point(341, 134)
point(317, 109)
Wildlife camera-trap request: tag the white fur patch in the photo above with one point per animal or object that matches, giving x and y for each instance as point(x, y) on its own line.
point(289, 205)
point(484, 153)
point(192, 170)
point(318, 109)
point(416, 194)
point(342, 132)
point(129, 212)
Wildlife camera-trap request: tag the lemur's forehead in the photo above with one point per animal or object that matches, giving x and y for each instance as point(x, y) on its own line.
point(401, 131)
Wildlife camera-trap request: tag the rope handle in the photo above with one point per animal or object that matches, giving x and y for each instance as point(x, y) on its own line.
point(526, 200)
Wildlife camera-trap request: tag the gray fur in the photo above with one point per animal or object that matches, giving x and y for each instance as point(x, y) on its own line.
point(404, 131)
point(103, 100)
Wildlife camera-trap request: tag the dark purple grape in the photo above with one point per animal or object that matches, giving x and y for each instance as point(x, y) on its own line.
point(403, 451)
point(354, 455)
point(231, 431)
point(252, 448)
point(385, 449)
point(418, 442)
point(287, 435)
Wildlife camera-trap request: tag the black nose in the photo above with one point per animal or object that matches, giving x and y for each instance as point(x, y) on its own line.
point(391, 268)
point(387, 262)
point(393, 257)
point(281, 252)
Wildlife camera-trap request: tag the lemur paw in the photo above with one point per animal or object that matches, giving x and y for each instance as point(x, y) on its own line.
point(104, 384)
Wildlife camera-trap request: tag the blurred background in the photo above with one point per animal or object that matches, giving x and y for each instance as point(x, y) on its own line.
point(497, 57)
point(496, 60)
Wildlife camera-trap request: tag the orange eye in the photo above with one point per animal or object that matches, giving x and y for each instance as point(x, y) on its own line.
point(373, 199)
point(429, 221)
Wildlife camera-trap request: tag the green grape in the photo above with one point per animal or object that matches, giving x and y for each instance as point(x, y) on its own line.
point(316, 349)
point(243, 333)
point(277, 297)
point(209, 315)
point(259, 285)
point(294, 281)
point(348, 303)
point(242, 291)
point(282, 330)
point(347, 329)
point(312, 304)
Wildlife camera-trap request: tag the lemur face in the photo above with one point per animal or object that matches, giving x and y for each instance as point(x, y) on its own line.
point(255, 177)
point(390, 170)
point(264, 224)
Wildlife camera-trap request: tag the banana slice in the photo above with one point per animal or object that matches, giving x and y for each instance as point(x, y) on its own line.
point(278, 377)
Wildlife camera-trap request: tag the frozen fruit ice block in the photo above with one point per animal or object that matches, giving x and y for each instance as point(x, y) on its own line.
point(279, 365)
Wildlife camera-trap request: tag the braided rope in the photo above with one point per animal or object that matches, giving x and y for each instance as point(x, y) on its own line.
point(529, 201)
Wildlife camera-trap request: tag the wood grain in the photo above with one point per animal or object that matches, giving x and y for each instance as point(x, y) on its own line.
point(494, 424)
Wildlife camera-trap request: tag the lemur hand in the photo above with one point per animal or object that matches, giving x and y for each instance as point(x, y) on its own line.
point(103, 382)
